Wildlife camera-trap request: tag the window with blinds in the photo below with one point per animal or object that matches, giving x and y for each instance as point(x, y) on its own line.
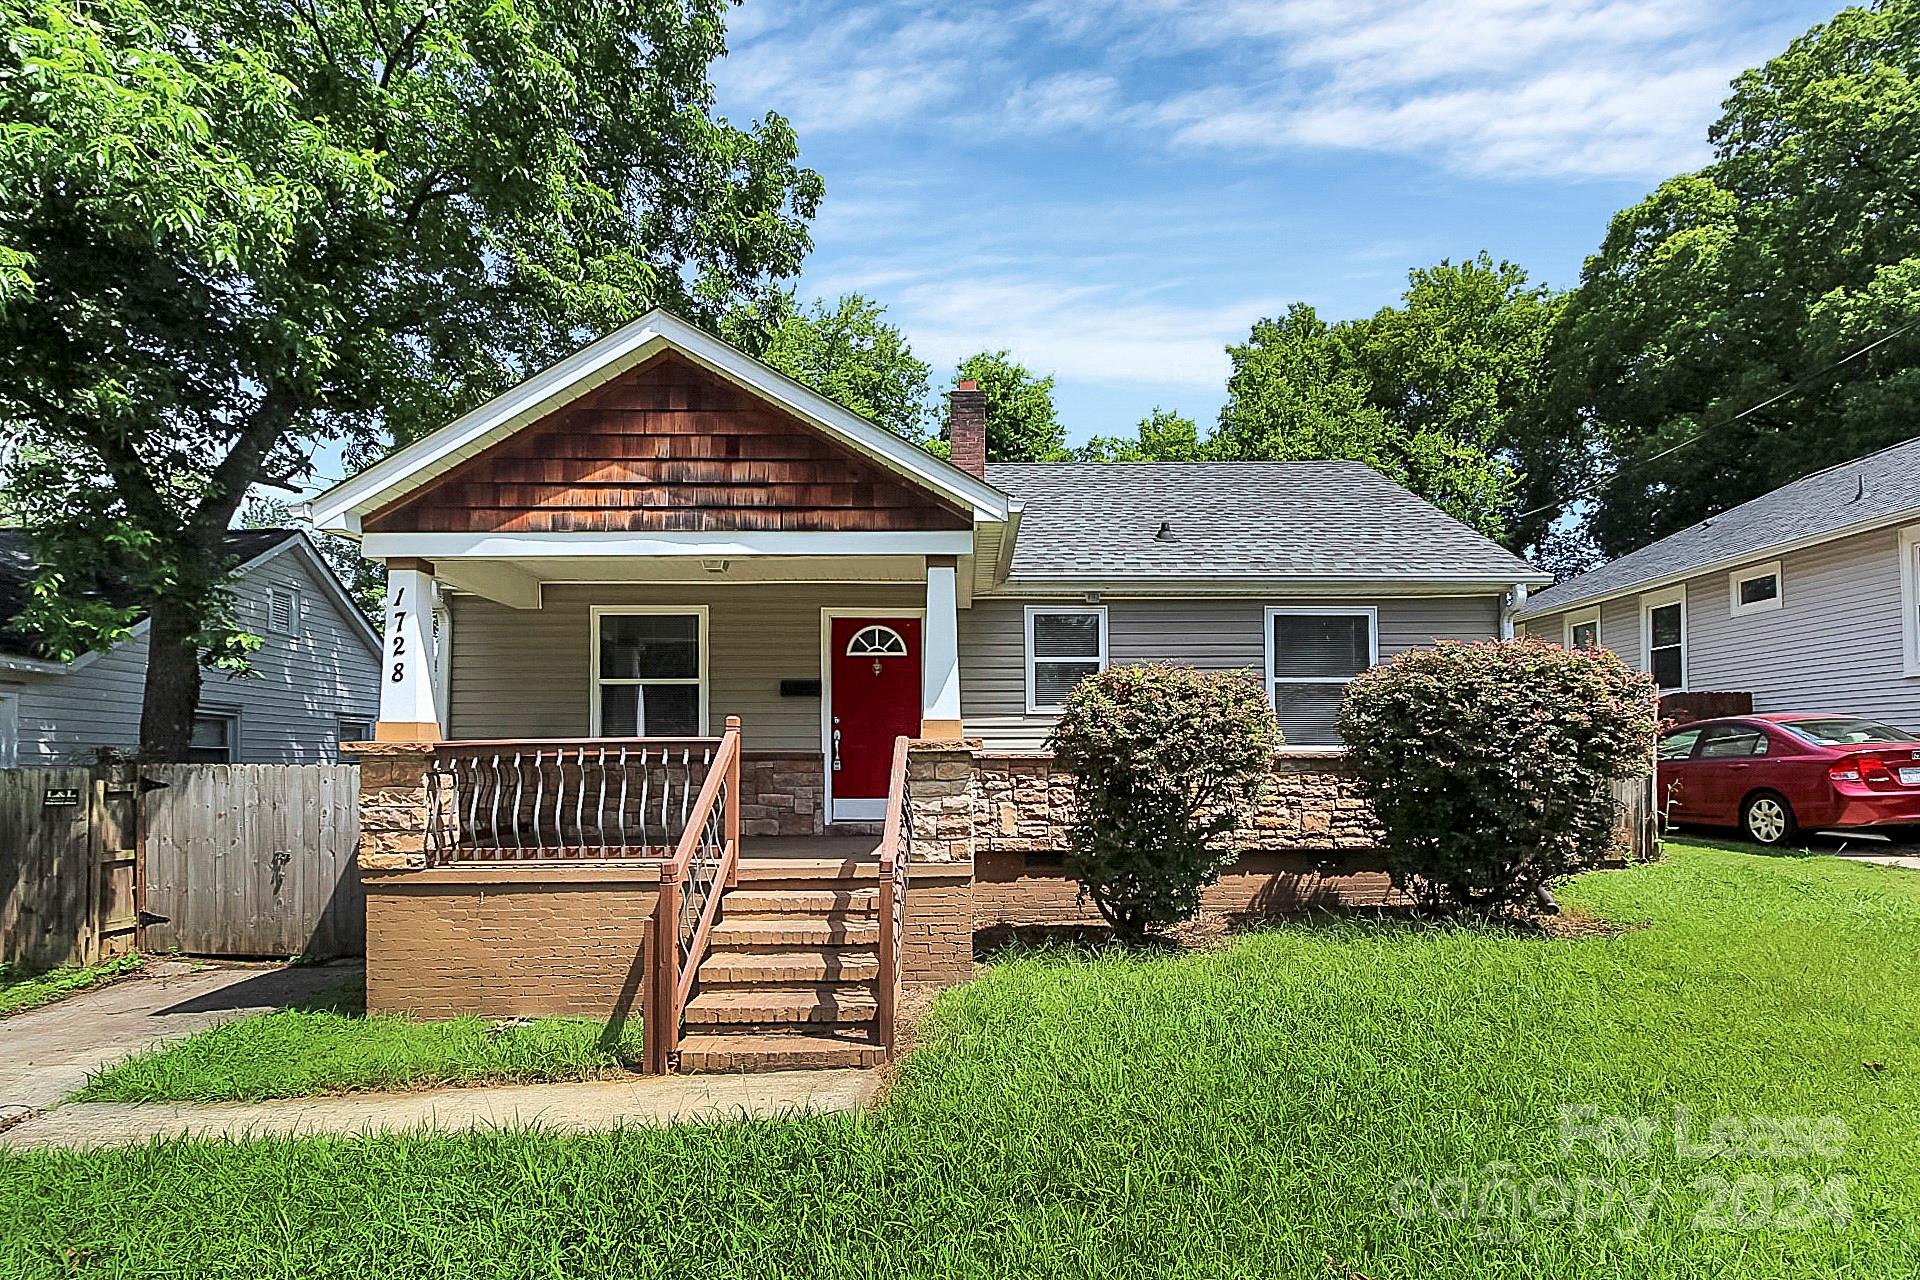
point(1311, 654)
point(1064, 647)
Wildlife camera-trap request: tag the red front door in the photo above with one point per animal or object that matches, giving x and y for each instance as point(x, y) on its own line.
point(875, 666)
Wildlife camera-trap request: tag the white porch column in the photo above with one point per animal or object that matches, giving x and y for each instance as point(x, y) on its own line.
point(408, 708)
point(940, 670)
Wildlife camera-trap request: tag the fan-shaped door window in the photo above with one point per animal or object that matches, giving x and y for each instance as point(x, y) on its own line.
point(876, 642)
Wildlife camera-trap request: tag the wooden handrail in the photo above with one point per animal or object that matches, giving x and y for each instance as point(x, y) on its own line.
point(894, 861)
point(673, 975)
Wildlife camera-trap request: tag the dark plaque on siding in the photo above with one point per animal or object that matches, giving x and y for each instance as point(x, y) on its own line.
point(799, 688)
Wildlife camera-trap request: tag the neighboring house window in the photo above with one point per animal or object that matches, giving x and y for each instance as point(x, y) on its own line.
point(355, 729)
point(283, 609)
point(1583, 630)
point(1064, 647)
point(1311, 655)
point(1755, 589)
point(1663, 635)
point(9, 729)
point(215, 737)
point(1910, 600)
point(650, 669)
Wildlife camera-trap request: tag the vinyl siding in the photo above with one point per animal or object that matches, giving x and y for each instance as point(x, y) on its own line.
point(289, 710)
point(526, 673)
point(1214, 635)
point(1834, 644)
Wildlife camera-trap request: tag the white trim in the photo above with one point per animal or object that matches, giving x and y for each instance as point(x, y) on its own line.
point(9, 728)
point(1910, 600)
point(595, 682)
point(1038, 610)
point(1660, 600)
point(850, 810)
point(728, 545)
point(1200, 580)
point(1577, 618)
point(1369, 612)
point(1537, 608)
point(1771, 569)
point(889, 643)
point(340, 508)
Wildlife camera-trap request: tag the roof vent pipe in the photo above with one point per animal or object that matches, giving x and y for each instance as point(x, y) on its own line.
point(1166, 532)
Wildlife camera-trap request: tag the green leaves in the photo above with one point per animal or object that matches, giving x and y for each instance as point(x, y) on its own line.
point(849, 354)
point(1021, 423)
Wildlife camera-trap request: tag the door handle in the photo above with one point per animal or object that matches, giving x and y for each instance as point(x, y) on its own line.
point(836, 745)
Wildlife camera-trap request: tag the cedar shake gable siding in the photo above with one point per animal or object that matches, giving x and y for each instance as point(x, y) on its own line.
point(668, 447)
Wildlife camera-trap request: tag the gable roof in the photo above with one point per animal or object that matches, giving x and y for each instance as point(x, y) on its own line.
point(406, 470)
point(1324, 520)
point(1878, 489)
point(246, 548)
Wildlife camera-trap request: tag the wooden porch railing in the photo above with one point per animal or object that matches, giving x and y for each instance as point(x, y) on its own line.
point(573, 799)
point(896, 857)
point(705, 864)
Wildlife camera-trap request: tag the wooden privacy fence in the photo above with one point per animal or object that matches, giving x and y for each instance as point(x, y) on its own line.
point(217, 860)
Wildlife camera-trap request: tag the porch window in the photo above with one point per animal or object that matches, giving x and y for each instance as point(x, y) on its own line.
point(1064, 647)
point(1311, 655)
point(650, 672)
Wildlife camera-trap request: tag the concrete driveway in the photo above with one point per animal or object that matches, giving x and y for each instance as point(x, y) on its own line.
point(46, 1054)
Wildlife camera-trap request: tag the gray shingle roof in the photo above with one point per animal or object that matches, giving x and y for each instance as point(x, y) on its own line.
point(18, 564)
point(1238, 519)
point(1880, 486)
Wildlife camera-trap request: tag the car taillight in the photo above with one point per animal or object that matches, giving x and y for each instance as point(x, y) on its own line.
point(1860, 768)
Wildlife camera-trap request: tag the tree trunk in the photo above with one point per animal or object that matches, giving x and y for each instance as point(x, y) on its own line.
point(173, 682)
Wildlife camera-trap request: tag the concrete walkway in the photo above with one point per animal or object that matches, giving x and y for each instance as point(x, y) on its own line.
point(571, 1108)
point(48, 1053)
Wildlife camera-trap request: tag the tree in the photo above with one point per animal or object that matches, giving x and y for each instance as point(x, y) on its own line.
point(849, 354)
point(1162, 436)
point(1440, 393)
point(1167, 762)
point(1798, 244)
point(232, 233)
point(1021, 423)
point(1490, 765)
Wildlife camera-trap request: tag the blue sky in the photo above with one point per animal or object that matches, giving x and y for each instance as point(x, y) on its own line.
point(1114, 189)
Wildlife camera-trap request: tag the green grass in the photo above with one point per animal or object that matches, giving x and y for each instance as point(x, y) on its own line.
point(20, 992)
point(1246, 1112)
point(330, 1046)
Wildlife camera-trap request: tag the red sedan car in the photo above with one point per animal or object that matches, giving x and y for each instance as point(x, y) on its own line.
point(1775, 775)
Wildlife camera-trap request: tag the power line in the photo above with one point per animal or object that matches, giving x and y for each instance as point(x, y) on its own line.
point(1777, 397)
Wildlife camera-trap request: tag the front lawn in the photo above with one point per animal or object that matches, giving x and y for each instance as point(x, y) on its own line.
point(331, 1046)
point(20, 992)
point(1314, 1100)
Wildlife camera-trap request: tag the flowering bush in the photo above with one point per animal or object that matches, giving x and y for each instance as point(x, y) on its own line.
point(1165, 761)
point(1490, 764)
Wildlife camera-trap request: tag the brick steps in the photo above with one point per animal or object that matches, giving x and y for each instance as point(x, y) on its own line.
point(789, 968)
point(778, 1050)
point(788, 980)
point(768, 1006)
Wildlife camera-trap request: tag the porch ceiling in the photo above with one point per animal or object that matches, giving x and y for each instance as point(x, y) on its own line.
point(517, 583)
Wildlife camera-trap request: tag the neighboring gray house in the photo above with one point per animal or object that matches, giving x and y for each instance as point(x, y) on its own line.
point(315, 681)
point(1804, 597)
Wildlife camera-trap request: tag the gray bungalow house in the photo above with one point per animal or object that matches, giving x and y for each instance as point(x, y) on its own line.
point(313, 687)
point(1804, 598)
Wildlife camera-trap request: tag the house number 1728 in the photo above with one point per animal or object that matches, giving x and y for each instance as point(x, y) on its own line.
point(396, 628)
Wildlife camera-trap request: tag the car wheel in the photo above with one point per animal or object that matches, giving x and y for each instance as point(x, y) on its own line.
point(1767, 819)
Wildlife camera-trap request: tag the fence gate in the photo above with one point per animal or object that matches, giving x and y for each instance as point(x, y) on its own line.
point(69, 866)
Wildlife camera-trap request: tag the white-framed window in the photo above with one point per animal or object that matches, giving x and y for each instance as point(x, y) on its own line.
point(1910, 600)
point(1312, 652)
point(215, 738)
point(1065, 645)
point(1663, 637)
point(1755, 589)
point(1582, 629)
point(9, 728)
point(283, 608)
point(877, 641)
point(649, 671)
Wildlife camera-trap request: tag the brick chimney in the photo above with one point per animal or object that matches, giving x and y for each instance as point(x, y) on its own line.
point(967, 428)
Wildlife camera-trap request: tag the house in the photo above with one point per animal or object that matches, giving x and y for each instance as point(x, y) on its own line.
point(659, 534)
point(1804, 598)
point(312, 687)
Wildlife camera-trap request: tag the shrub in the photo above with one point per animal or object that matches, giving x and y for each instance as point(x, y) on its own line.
point(1165, 761)
point(1489, 764)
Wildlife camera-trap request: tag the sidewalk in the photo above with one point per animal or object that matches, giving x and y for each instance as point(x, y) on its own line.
point(569, 1108)
point(48, 1053)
